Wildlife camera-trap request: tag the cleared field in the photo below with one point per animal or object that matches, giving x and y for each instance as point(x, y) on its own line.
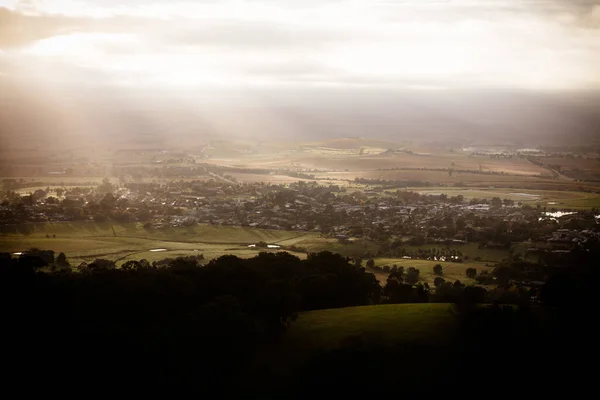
point(587, 164)
point(274, 179)
point(318, 343)
point(429, 176)
point(372, 159)
point(548, 198)
point(386, 324)
point(86, 241)
point(451, 271)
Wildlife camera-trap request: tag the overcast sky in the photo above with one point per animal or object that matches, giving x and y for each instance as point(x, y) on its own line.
point(71, 70)
point(415, 44)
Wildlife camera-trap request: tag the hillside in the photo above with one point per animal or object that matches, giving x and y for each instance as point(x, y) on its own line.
point(384, 325)
point(356, 347)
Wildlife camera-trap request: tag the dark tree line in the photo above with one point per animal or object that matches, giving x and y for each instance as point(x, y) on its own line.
point(179, 324)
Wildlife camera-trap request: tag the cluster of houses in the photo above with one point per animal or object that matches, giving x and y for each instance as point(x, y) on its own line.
point(332, 210)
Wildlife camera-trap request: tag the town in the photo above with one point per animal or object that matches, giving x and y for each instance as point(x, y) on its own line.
point(385, 217)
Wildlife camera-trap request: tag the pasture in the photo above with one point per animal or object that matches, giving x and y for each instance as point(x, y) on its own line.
point(451, 271)
point(385, 324)
point(545, 198)
point(87, 241)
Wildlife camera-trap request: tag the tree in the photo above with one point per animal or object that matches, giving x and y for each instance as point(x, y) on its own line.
point(437, 269)
point(504, 273)
point(101, 264)
point(61, 260)
point(438, 281)
point(412, 275)
point(51, 200)
point(32, 261)
point(471, 273)
point(108, 202)
point(496, 202)
point(131, 265)
point(105, 187)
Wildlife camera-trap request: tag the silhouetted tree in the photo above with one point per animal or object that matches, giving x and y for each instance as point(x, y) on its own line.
point(61, 260)
point(101, 264)
point(412, 275)
point(471, 273)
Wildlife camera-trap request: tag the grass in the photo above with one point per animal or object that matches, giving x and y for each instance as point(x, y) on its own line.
point(421, 332)
point(563, 199)
point(86, 241)
point(451, 271)
point(387, 324)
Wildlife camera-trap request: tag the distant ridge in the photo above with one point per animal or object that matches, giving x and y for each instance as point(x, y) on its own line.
point(352, 142)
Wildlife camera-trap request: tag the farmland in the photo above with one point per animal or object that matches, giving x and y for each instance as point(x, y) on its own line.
point(451, 271)
point(545, 198)
point(236, 180)
point(87, 241)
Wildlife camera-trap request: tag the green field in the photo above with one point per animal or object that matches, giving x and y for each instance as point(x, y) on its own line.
point(546, 198)
point(425, 323)
point(451, 271)
point(87, 241)
point(417, 328)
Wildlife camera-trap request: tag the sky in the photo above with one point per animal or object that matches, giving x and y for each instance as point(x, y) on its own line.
point(418, 44)
point(312, 68)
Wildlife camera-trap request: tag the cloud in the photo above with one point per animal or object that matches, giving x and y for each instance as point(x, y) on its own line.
point(18, 29)
point(548, 43)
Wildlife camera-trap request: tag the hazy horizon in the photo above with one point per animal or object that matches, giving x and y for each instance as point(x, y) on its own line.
point(313, 69)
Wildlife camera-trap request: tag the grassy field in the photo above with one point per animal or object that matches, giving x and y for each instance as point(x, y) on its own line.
point(368, 345)
point(547, 198)
point(86, 241)
point(386, 324)
point(414, 326)
point(451, 271)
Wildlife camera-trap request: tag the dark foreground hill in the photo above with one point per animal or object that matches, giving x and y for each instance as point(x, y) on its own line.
point(228, 329)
